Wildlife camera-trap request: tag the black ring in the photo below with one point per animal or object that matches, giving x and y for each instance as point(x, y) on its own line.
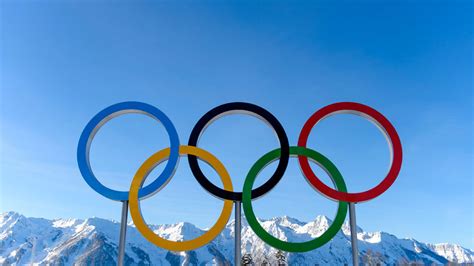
point(246, 108)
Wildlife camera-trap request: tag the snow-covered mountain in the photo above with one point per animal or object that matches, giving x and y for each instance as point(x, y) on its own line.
point(94, 242)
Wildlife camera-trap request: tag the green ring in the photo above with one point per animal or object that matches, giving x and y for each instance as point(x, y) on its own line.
point(337, 179)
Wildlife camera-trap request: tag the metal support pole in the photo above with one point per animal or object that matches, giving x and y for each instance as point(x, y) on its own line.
point(238, 233)
point(353, 225)
point(123, 233)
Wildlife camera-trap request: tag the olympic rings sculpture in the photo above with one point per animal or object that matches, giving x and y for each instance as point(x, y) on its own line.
point(172, 154)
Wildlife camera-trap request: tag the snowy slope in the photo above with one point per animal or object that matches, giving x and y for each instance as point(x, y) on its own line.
point(94, 241)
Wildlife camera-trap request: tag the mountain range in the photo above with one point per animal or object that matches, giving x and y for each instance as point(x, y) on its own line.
point(94, 241)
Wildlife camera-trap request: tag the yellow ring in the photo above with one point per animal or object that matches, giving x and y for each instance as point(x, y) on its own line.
point(134, 202)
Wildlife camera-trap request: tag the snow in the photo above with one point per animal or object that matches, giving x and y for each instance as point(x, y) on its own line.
point(40, 241)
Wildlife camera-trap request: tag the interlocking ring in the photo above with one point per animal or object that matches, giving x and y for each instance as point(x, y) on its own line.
point(172, 154)
point(376, 118)
point(83, 148)
point(328, 167)
point(245, 108)
point(140, 177)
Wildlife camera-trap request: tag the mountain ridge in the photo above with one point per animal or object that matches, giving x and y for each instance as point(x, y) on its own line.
point(94, 240)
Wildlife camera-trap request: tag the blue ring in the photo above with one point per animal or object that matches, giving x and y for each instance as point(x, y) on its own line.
point(100, 119)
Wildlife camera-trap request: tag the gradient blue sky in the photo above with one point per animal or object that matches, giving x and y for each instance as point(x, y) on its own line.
point(62, 62)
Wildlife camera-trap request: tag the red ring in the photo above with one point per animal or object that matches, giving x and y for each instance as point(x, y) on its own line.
point(381, 122)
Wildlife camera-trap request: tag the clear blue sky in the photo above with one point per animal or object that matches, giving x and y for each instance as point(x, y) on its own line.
point(62, 62)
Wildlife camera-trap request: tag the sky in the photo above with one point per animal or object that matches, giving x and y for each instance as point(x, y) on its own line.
point(64, 61)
